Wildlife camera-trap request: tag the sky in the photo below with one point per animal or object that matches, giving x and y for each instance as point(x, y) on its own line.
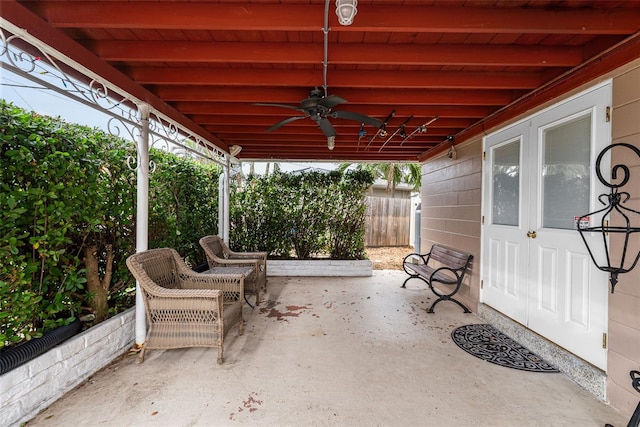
point(33, 97)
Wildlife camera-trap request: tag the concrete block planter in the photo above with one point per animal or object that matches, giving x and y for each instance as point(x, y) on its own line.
point(319, 267)
point(31, 387)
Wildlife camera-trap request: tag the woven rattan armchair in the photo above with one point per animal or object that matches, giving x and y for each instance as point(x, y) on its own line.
point(219, 255)
point(185, 308)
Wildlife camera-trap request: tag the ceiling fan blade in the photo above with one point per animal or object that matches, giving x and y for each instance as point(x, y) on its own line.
point(331, 101)
point(362, 118)
point(292, 107)
point(285, 121)
point(326, 127)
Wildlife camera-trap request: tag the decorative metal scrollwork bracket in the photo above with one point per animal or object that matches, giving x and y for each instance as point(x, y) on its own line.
point(635, 417)
point(614, 211)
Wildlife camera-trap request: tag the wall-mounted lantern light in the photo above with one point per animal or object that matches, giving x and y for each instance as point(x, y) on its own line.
point(615, 210)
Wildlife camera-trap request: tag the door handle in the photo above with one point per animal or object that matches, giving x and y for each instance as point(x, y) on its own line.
point(532, 234)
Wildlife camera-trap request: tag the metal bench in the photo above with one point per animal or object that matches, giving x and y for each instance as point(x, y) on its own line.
point(441, 265)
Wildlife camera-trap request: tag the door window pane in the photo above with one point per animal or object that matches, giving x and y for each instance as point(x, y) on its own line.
point(566, 173)
point(506, 184)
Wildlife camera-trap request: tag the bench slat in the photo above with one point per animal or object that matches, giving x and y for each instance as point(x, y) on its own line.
point(426, 271)
point(449, 257)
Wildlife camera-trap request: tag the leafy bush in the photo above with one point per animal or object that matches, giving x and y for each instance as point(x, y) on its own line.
point(48, 193)
point(183, 204)
point(309, 213)
point(67, 220)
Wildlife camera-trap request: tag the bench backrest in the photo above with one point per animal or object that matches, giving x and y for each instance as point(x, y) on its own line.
point(450, 257)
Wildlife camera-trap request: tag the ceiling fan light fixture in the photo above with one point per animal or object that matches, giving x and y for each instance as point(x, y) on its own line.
point(346, 10)
point(331, 142)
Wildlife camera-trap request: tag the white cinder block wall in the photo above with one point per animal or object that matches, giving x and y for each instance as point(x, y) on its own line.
point(30, 388)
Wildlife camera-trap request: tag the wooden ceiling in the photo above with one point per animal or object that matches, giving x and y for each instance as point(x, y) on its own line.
point(472, 64)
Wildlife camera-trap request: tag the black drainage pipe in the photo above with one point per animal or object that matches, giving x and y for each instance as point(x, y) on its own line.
point(16, 356)
point(201, 267)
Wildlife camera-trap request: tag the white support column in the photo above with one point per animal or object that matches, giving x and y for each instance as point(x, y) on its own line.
point(227, 174)
point(221, 204)
point(142, 214)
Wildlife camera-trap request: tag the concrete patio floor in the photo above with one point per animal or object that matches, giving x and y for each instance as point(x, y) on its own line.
point(331, 351)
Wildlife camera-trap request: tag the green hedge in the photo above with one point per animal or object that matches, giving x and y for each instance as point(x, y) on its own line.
point(305, 214)
point(67, 218)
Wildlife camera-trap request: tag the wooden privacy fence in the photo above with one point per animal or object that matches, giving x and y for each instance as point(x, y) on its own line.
point(387, 221)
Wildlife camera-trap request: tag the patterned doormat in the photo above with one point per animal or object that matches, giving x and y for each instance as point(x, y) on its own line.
point(489, 344)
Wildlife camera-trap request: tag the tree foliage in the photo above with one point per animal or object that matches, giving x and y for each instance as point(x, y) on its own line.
point(393, 173)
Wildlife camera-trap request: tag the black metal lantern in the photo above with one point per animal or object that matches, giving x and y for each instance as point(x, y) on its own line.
point(614, 206)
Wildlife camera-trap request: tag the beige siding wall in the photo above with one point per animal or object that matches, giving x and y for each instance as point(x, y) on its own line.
point(451, 209)
point(624, 304)
point(451, 198)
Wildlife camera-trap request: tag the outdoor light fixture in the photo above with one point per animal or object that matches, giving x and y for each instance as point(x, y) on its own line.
point(623, 263)
point(331, 142)
point(234, 150)
point(346, 10)
point(452, 153)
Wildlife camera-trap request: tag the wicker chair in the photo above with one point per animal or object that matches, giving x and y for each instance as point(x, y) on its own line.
point(185, 308)
point(219, 255)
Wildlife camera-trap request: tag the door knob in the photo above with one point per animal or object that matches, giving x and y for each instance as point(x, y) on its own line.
point(532, 234)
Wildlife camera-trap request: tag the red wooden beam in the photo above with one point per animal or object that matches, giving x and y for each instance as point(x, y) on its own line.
point(424, 110)
point(339, 78)
point(286, 16)
point(353, 96)
point(341, 53)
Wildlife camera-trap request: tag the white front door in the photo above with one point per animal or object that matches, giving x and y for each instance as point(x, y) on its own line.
point(535, 267)
point(505, 246)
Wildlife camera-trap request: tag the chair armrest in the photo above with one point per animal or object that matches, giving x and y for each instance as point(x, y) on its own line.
point(160, 292)
point(246, 255)
point(156, 292)
point(249, 262)
point(231, 285)
point(181, 302)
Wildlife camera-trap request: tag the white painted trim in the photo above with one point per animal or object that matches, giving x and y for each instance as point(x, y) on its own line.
point(320, 268)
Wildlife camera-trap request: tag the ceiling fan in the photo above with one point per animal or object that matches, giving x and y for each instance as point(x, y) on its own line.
point(318, 108)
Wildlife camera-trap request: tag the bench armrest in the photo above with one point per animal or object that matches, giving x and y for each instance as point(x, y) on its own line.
point(439, 275)
point(423, 257)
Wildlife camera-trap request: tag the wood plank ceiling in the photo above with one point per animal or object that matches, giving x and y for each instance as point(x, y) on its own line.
point(471, 64)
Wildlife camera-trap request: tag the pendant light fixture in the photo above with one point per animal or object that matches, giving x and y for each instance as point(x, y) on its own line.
point(346, 10)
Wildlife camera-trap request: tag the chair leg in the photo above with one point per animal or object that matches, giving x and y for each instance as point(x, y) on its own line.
point(140, 358)
point(220, 359)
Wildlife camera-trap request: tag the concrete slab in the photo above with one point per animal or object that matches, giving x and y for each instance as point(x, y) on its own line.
point(331, 351)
